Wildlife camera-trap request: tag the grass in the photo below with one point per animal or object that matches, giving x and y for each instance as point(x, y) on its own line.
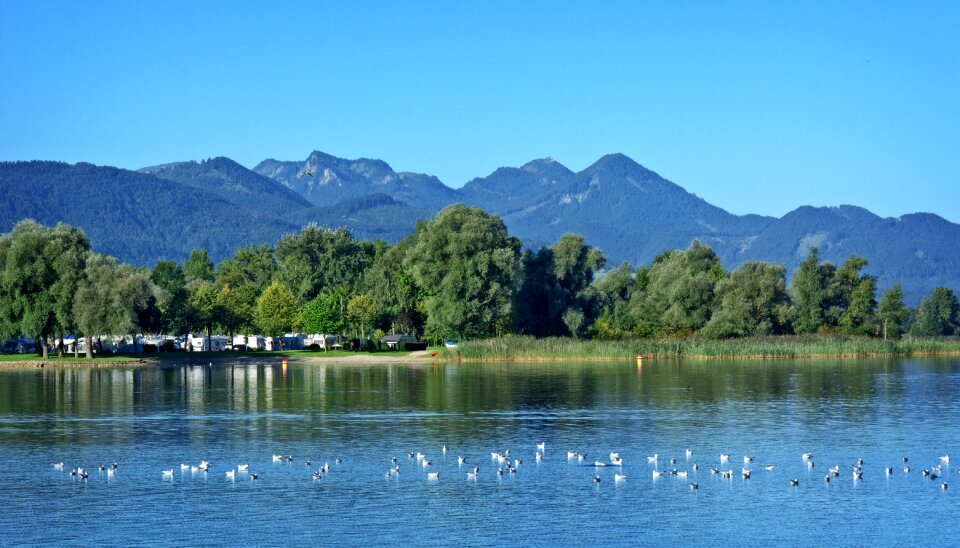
point(199, 356)
point(523, 348)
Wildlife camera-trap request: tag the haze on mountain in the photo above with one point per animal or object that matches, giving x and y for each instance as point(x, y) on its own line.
point(621, 207)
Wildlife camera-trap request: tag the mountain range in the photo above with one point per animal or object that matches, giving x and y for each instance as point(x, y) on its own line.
point(628, 211)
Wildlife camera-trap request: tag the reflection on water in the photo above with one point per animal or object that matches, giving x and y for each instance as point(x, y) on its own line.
point(153, 418)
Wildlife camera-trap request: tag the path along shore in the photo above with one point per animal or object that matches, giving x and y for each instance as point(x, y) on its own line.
point(422, 356)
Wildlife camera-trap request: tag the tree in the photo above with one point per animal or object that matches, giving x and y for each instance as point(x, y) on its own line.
point(321, 258)
point(202, 307)
point(247, 273)
point(277, 311)
point(753, 301)
point(861, 307)
point(390, 285)
point(469, 269)
point(39, 272)
point(892, 311)
point(169, 277)
point(614, 290)
point(677, 296)
point(231, 312)
point(198, 267)
point(938, 315)
point(362, 310)
point(324, 314)
point(809, 289)
point(93, 308)
point(134, 295)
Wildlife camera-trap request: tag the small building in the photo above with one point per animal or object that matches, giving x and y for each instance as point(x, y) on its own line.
point(393, 341)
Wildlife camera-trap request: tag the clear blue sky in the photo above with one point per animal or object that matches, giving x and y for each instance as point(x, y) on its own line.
point(757, 107)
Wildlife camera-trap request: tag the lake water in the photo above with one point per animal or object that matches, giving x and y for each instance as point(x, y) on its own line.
point(147, 420)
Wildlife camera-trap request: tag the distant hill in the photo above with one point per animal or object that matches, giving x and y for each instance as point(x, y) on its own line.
point(234, 183)
point(135, 217)
point(621, 207)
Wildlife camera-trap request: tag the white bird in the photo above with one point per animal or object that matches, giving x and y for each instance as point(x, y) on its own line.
point(184, 466)
point(810, 464)
point(433, 475)
point(420, 456)
point(945, 458)
point(243, 467)
point(471, 475)
point(724, 458)
point(682, 474)
point(427, 463)
point(745, 473)
point(58, 466)
point(194, 469)
point(542, 447)
point(231, 474)
point(657, 474)
point(694, 486)
point(444, 449)
point(460, 461)
point(653, 458)
point(619, 478)
point(807, 456)
point(110, 472)
point(571, 454)
point(747, 460)
point(277, 458)
point(617, 461)
point(768, 467)
point(599, 464)
point(581, 457)
point(168, 473)
point(614, 456)
point(495, 456)
point(689, 453)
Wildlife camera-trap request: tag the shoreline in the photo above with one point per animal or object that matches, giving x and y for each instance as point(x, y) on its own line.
point(420, 356)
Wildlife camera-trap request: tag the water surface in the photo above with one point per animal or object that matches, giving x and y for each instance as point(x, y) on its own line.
point(147, 420)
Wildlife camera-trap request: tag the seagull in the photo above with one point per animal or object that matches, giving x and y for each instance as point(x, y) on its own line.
point(745, 473)
point(442, 449)
point(906, 469)
point(433, 475)
point(747, 460)
point(420, 456)
point(617, 461)
point(807, 456)
point(724, 458)
point(570, 455)
point(184, 467)
point(694, 486)
point(794, 483)
point(305, 173)
point(768, 467)
point(657, 474)
point(517, 463)
point(231, 474)
point(943, 486)
point(243, 467)
point(826, 479)
point(581, 457)
point(277, 458)
point(596, 479)
point(319, 476)
point(810, 464)
point(599, 464)
point(460, 461)
point(254, 477)
point(427, 463)
point(682, 474)
point(471, 475)
point(500, 472)
point(102, 467)
point(58, 466)
point(689, 453)
point(614, 456)
point(110, 473)
point(945, 458)
point(696, 467)
point(888, 470)
point(542, 447)
point(168, 473)
point(652, 459)
point(619, 478)
point(905, 459)
point(714, 471)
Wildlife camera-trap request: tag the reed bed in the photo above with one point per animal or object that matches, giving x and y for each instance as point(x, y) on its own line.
point(525, 348)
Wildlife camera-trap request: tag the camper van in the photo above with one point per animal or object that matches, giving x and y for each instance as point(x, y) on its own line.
point(198, 342)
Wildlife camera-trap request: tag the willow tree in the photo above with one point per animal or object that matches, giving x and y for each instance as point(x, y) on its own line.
point(469, 268)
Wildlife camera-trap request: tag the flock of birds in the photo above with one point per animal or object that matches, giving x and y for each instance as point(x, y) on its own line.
point(505, 464)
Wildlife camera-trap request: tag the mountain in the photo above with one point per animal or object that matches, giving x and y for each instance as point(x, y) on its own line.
point(136, 217)
point(628, 211)
point(234, 183)
point(325, 180)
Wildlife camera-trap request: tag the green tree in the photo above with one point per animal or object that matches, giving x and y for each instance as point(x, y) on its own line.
point(198, 267)
point(202, 309)
point(277, 311)
point(231, 312)
point(809, 289)
point(94, 310)
point(893, 313)
point(391, 286)
point(469, 268)
point(169, 277)
point(247, 273)
point(614, 290)
point(324, 314)
point(321, 258)
point(39, 272)
point(938, 315)
point(753, 301)
point(363, 311)
point(134, 296)
point(677, 296)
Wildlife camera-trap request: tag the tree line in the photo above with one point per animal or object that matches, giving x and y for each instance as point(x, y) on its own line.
point(459, 275)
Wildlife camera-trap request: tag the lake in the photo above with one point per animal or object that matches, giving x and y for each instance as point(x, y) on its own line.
point(152, 419)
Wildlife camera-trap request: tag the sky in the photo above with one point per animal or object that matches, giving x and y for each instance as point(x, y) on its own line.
point(756, 107)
